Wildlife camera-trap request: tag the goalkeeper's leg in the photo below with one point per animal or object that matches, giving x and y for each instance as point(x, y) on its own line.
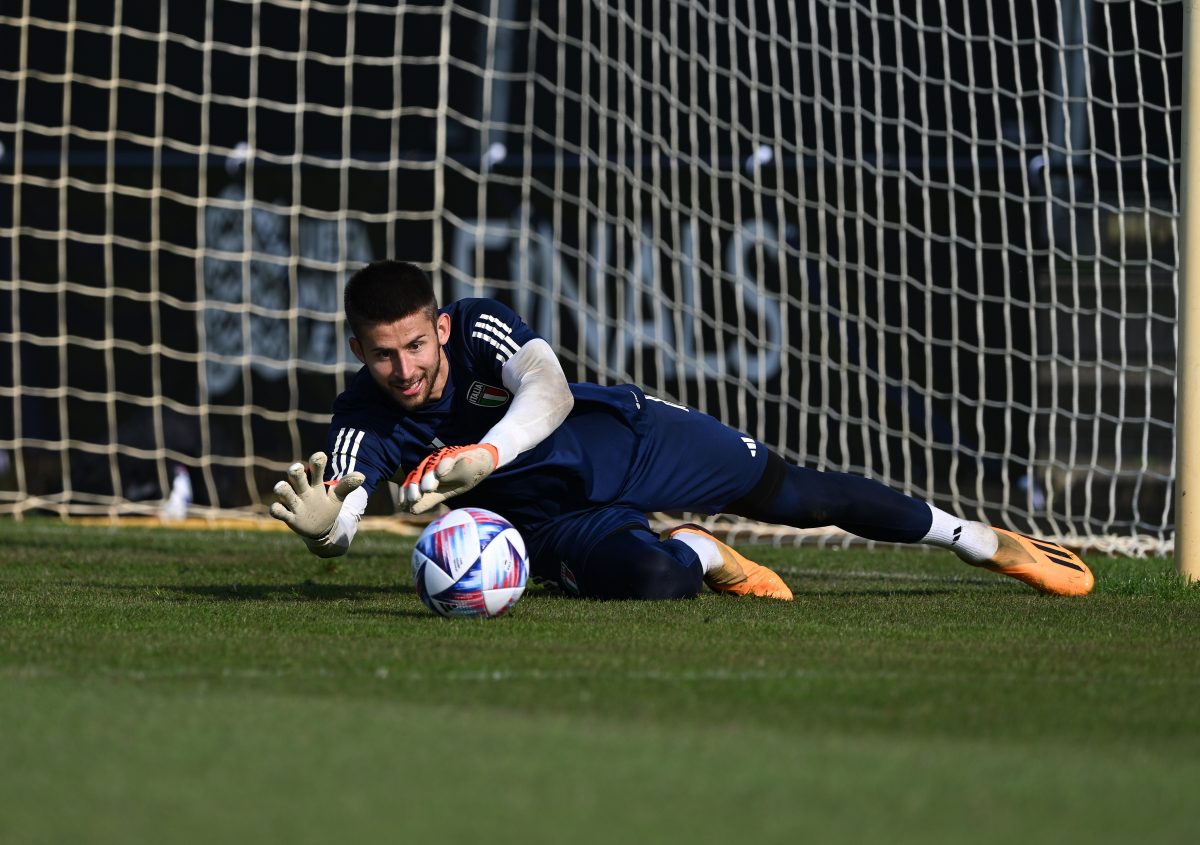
point(632, 564)
point(610, 553)
point(807, 498)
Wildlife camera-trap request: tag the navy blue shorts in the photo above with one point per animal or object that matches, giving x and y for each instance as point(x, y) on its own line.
point(686, 460)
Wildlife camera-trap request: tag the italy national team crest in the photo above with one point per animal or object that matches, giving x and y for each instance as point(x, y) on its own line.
point(567, 579)
point(486, 396)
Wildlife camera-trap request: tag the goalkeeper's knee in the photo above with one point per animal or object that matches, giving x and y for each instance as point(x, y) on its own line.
point(633, 564)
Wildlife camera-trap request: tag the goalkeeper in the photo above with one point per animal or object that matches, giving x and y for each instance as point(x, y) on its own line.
point(467, 404)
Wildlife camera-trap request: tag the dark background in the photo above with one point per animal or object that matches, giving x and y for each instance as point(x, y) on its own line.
point(942, 166)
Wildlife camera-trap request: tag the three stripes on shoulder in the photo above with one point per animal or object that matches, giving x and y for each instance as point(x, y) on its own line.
point(497, 333)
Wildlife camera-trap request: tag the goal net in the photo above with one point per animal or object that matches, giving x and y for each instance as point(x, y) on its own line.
point(932, 243)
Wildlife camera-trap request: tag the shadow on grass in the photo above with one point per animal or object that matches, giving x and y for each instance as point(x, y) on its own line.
point(307, 591)
point(416, 611)
point(883, 591)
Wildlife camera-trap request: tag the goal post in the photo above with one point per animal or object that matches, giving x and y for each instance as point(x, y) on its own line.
point(1187, 434)
point(934, 243)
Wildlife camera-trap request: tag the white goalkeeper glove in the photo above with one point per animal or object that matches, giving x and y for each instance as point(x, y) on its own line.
point(311, 510)
point(445, 473)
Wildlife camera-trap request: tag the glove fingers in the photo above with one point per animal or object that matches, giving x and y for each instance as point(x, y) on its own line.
point(298, 478)
point(429, 482)
point(281, 513)
point(446, 465)
point(317, 462)
point(418, 472)
point(417, 481)
point(427, 502)
point(348, 485)
point(286, 496)
point(445, 473)
point(411, 493)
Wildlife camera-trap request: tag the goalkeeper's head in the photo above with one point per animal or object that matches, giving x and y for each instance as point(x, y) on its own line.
point(387, 291)
point(397, 331)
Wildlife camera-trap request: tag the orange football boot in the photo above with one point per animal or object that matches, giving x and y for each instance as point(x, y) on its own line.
point(738, 575)
point(1043, 565)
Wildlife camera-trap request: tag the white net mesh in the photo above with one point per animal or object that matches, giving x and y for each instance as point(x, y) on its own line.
point(932, 243)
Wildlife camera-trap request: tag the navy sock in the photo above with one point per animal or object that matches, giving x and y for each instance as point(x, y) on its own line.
point(808, 498)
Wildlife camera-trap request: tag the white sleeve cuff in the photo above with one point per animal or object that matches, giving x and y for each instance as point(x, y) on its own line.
point(337, 541)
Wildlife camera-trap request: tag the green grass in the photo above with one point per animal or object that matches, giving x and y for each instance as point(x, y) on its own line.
point(170, 686)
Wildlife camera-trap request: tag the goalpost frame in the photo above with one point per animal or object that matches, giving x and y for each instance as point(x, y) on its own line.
point(1187, 434)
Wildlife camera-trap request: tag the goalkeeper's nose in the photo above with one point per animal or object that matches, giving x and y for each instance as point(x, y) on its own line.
point(405, 370)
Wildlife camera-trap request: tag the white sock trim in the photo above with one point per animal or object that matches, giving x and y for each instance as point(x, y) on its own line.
point(705, 549)
point(972, 541)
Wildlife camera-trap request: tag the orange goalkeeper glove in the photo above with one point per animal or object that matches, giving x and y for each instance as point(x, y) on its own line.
point(445, 473)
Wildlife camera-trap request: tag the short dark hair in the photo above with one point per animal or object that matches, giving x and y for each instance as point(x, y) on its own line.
point(387, 291)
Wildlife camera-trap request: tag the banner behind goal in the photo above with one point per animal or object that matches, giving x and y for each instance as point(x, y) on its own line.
point(933, 243)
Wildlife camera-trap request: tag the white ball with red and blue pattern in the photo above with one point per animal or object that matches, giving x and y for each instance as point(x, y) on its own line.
point(470, 562)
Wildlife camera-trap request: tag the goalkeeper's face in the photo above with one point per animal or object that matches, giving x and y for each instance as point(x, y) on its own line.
point(405, 358)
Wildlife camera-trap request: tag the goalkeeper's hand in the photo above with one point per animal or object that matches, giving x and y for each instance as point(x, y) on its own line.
point(445, 473)
point(311, 510)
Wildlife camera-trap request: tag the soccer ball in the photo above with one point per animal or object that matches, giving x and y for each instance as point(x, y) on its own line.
point(470, 562)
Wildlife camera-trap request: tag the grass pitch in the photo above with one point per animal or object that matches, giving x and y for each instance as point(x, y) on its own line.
point(168, 686)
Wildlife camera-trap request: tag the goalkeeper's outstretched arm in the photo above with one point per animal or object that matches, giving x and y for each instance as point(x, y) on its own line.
point(542, 399)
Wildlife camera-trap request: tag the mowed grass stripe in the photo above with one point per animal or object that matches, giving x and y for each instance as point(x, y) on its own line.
point(205, 764)
point(484, 677)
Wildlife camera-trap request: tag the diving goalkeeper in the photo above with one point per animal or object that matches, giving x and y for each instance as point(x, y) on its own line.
point(465, 403)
